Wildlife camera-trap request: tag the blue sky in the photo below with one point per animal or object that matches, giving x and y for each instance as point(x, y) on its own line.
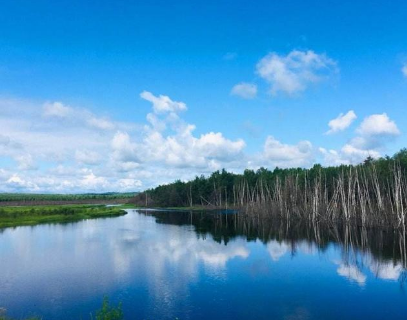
point(260, 83)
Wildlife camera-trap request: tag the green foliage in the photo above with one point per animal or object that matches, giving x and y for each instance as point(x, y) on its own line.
point(108, 312)
point(26, 197)
point(222, 185)
point(30, 215)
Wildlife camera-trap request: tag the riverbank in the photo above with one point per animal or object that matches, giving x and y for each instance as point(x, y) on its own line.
point(32, 215)
point(32, 199)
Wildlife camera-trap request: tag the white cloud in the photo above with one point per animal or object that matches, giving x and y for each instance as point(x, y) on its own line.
point(17, 183)
point(92, 182)
point(348, 154)
point(129, 184)
point(170, 141)
point(373, 134)
point(25, 162)
point(123, 149)
point(162, 104)
point(100, 123)
point(295, 71)
point(404, 69)
point(378, 124)
point(215, 145)
point(285, 155)
point(76, 150)
point(341, 122)
point(57, 109)
point(4, 140)
point(245, 90)
point(183, 149)
point(87, 157)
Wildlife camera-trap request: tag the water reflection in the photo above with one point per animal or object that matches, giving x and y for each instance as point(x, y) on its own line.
point(382, 250)
point(200, 265)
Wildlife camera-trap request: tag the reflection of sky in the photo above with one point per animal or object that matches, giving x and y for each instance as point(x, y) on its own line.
point(352, 272)
point(163, 271)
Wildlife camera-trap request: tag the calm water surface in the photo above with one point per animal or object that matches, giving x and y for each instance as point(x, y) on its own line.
point(164, 265)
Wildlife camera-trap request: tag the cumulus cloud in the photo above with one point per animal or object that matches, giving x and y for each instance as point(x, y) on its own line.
point(378, 124)
point(46, 139)
point(168, 140)
point(294, 72)
point(87, 157)
point(123, 149)
point(341, 122)
point(245, 90)
point(92, 182)
point(286, 155)
point(18, 183)
point(373, 134)
point(162, 104)
point(68, 149)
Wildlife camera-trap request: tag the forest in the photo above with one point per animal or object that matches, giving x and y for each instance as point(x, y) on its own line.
point(373, 192)
point(6, 197)
point(33, 199)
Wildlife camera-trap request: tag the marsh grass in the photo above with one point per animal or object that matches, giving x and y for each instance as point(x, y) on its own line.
point(32, 215)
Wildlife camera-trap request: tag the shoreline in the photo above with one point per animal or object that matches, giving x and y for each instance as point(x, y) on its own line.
point(34, 215)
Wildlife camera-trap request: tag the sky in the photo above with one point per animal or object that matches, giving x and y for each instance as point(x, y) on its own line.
point(100, 96)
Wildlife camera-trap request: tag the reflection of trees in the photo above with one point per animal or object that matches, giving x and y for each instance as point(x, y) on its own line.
point(384, 245)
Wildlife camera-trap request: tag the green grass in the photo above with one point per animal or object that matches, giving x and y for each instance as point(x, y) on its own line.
point(32, 215)
point(5, 197)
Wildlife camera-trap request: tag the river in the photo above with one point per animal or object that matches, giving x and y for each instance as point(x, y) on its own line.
point(167, 265)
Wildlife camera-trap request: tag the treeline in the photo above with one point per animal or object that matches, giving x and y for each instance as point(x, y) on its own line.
point(6, 197)
point(371, 193)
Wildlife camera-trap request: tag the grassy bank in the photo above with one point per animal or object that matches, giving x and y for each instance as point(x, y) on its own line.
point(32, 215)
point(28, 199)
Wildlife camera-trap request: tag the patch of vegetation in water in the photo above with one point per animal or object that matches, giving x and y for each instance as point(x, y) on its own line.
point(106, 312)
point(32, 215)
